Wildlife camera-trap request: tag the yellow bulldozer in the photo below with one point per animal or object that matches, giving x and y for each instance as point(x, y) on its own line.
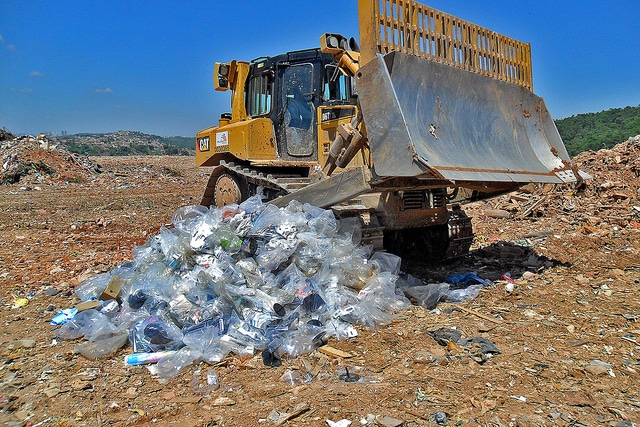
point(427, 112)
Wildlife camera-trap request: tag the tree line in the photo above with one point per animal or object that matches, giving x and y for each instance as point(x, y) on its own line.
point(595, 131)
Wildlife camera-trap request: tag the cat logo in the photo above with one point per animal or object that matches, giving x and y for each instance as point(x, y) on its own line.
point(203, 144)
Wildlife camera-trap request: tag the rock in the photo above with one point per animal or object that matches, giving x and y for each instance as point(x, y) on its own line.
point(223, 401)
point(26, 343)
point(51, 392)
point(387, 421)
point(51, 292)
point(497, 213)
point(598, 367)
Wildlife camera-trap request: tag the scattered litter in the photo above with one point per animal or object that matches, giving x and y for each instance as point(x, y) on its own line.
point(458, 288)
point(349, 377)
point(279, 418)
point(64, 316)
point(479, 349)
point(212, 382)
point(440, 417)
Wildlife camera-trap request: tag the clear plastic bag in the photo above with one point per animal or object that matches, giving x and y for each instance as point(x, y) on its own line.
point(103, 346)
point(427, 295)
point(253, 205)
point(88, 324)
point(212, 382)
point(184, 217)
point(386, 262)
point(462, 295)
point(364, 313)
point(169, 367)
point(92, 287)
point(380, 291)
point(152, 334)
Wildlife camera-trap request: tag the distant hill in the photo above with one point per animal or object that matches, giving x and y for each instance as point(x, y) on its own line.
point(582, 132)
point(594, 131)
point(126, 143)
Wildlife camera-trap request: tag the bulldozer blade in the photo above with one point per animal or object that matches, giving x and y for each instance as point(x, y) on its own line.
point(429, 120)
point(333, 190)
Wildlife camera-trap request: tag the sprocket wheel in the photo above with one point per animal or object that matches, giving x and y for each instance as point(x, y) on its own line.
point(229, 189)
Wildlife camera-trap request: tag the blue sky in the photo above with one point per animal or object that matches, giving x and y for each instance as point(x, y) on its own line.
point(103, 66)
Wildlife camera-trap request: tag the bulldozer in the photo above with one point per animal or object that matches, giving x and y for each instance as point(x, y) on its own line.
point(427, 112)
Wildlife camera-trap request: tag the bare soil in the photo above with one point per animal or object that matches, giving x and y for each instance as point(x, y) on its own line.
point(568, 332)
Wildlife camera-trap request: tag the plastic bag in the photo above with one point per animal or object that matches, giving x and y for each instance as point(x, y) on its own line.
point(103, 346)
point(184, 217)
point(212, 382)
point(427, 295)
point(92, 287)
point(169, 367)
point(152, 334)
point(88, 324)
point(466, 279)
point(462, 295)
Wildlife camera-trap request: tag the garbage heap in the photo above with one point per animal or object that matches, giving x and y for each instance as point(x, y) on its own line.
point(30, 160)
point(237, 279)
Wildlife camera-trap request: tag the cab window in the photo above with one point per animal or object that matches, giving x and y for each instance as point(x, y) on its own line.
point(258, 101)
point(337, 86)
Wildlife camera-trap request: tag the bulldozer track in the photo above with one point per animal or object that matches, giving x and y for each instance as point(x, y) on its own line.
point(276, 184)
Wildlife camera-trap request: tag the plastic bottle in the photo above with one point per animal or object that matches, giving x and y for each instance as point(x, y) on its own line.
point(136, 359)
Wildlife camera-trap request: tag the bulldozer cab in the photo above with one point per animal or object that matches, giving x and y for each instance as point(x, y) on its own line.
point(292, 89)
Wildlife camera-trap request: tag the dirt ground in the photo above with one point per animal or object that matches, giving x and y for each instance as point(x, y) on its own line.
point(568, 332)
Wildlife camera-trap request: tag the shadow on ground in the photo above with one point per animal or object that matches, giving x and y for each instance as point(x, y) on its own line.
point(489, 262)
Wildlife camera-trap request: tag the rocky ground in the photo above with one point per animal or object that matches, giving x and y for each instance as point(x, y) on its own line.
point(567, 331)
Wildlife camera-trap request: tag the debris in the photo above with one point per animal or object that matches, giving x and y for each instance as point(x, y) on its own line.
point(224, 401)
point(341, 423)
point(598, 367)
point(387, 421)
point(136, 359)
point(212, 383)
point(292, 378)
point(279, 418)
point(24, 159)
point(440, 417)
point(480, 315)
point(64, 316)
point(349, 377)
point(444, 335)
point(480, 349)
point(20, 302)
point(51, 292)
point(334, 352)
point(497, 213)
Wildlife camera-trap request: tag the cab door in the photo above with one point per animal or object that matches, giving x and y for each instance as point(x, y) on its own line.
point(296, 125)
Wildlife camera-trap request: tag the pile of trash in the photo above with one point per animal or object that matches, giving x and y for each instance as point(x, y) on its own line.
point(39, 160)
point(245, 278)
point(610, 197)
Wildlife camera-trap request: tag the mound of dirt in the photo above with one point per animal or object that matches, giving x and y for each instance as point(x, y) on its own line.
point(28, 160)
